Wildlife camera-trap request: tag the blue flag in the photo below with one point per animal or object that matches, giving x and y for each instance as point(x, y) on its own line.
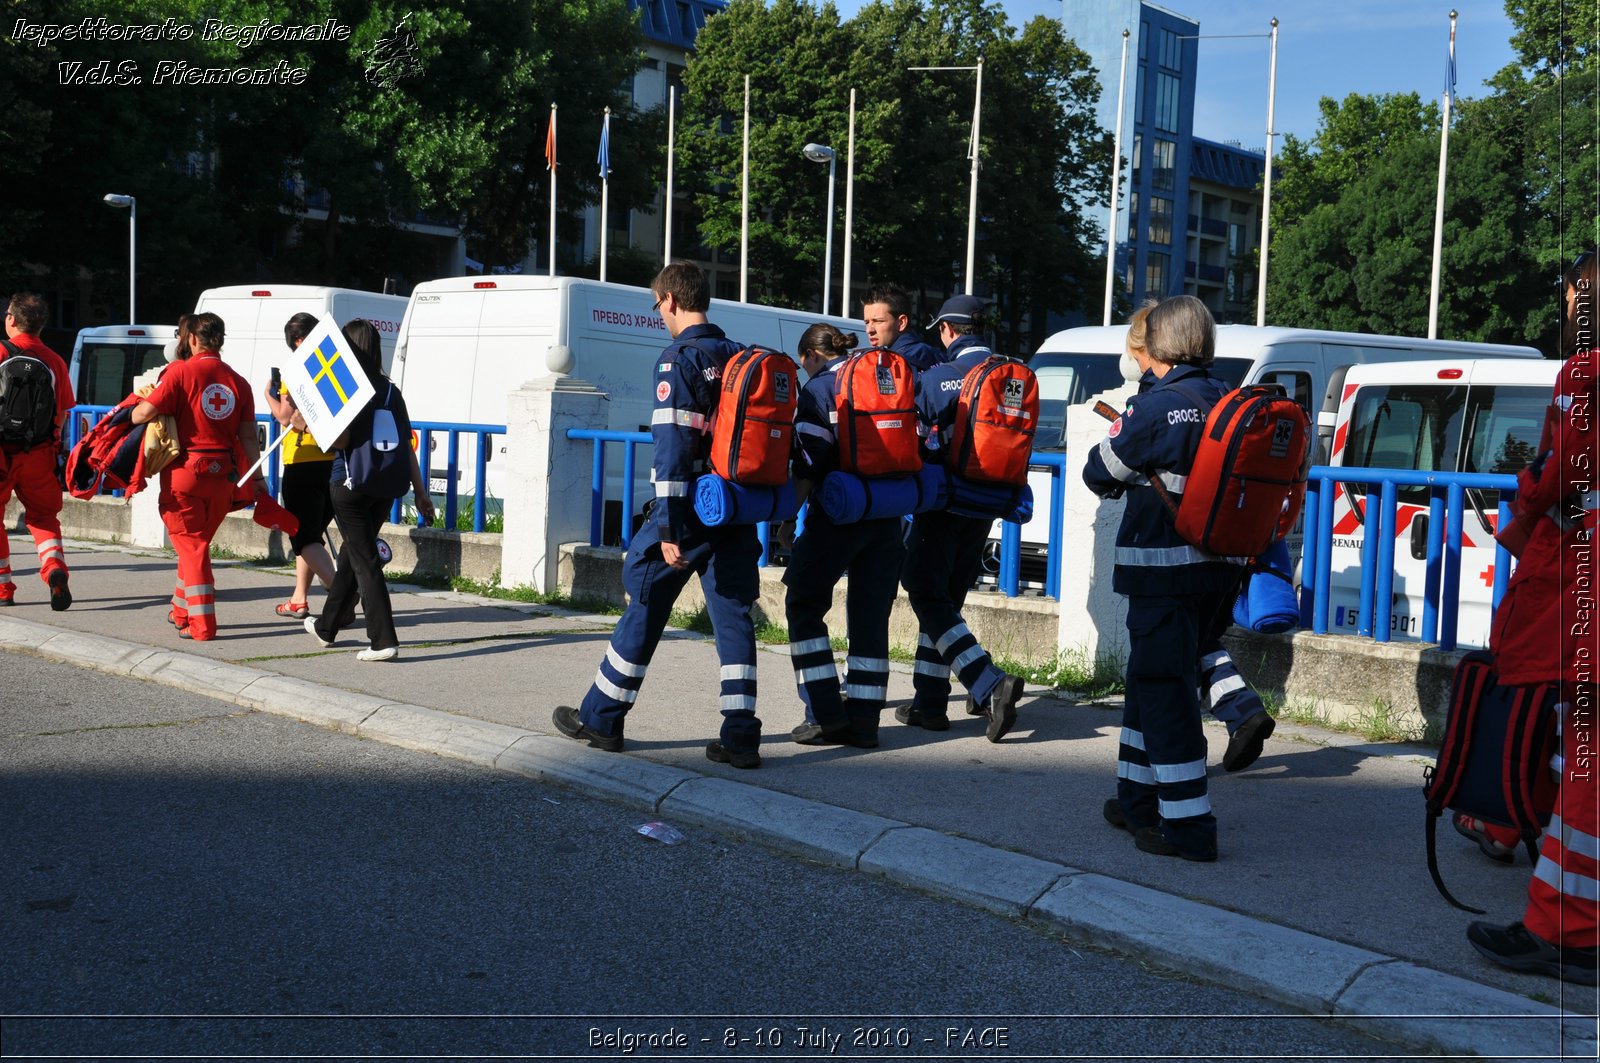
point(1450, 68)
point(604, 158)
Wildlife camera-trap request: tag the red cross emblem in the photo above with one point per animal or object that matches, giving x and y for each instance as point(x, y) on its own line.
point(216, 402)
point(1487, 575)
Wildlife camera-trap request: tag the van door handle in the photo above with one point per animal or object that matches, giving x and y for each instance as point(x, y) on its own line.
point(1419, 537)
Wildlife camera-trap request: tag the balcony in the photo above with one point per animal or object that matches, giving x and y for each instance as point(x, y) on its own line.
point(1208, 227)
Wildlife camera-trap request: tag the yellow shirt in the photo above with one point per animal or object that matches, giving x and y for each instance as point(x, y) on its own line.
point(300, 447)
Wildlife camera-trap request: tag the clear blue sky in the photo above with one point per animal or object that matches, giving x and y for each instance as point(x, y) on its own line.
point(1324, 49)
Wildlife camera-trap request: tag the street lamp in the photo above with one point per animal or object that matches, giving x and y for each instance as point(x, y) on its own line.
point(823, 153)
point(115, 200)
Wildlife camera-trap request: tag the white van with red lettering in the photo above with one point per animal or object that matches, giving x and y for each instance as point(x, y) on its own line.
point(467, 343)
point(1451, 415)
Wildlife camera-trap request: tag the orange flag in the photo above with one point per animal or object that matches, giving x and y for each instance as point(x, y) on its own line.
point(550, 143)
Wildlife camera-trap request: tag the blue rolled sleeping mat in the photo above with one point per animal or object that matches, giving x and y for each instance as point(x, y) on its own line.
point(969, 498)
point(718, 502)
point(1267, 600)
point(846, 498)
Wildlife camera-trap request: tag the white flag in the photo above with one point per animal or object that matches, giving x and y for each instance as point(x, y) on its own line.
point(327, 383)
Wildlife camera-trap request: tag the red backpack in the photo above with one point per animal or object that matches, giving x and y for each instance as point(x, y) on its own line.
point(1494, 760)
point(877, 411)
point(1248, 480)
point(754, 424)
point(996, 414)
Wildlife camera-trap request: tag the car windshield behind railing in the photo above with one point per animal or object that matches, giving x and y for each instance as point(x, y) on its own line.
point(1070, 379)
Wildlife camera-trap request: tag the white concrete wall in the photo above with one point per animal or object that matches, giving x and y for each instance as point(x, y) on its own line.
point(547, 496)
point(1093, 617)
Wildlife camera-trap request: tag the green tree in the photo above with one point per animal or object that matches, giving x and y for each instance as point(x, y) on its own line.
point(1362, 261)
point(311, 181)
point(1041, 147)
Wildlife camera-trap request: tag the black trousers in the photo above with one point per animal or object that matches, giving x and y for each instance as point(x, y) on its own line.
point(359, 517)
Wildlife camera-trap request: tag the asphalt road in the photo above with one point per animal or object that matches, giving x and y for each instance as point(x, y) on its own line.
point(182, 877)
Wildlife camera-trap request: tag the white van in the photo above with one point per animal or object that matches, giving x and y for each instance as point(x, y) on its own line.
point(254, 316)
point(1451, 415)
point(106, 359)
point(1077, 364)
point(467, 342)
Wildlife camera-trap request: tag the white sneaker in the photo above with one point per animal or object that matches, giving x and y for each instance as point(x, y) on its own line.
point(379, 655)
point(311, 629)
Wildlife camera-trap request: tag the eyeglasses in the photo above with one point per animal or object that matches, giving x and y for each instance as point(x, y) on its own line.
point(655, 307)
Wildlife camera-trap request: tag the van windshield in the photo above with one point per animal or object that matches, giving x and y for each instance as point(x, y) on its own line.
point(1070, 379)
point(1430, 428)
point(106, 370)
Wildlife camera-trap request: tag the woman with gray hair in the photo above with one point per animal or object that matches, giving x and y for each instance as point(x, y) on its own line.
point(1180, 597)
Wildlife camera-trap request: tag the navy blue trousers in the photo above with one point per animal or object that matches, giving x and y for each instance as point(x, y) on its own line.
point(871, 552)
point(725, 559)
point(944, 553)
point(1161, 763)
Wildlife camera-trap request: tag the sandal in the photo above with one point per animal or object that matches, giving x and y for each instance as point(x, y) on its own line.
point(1480, 832)
point(294, 610)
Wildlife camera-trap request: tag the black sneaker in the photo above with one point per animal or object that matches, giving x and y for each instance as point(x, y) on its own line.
point(973, 708)
point(1003, 707)
point(738, 758)
point(60, 593)
point(1245, 745)
point(1517, 948)
point(1113, 813)
point(1151, 840)
point(814, 734)
point(912, 718)
point(566, 720)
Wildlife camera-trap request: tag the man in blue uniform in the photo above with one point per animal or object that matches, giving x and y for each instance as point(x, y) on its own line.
point(886, 312)
point(1180, 597)
point(673, 544)
point(869, 550)
point(944, 552)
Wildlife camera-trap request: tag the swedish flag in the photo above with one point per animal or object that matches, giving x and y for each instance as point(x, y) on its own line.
point(331, 376)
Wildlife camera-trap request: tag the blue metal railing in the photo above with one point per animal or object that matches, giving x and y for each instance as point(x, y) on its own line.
point(1442, 582)
point(1009, 576)
point(631, 441)
point(82, 418)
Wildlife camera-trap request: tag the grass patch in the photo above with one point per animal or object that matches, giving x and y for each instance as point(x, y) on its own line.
point(1072, 671)
point(493, 522)
point(771, 634)
point(698, 621)
point(1377, 722)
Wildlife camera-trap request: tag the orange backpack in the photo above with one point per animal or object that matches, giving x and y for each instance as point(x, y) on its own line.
point(996, 414)
point(1248, 481)
point(754, 424)
point(877, 415)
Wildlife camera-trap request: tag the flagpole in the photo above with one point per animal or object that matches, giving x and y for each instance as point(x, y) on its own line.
point(744, 204)
point(605, 188)
point(550, 152)
point(1116, 174)
point(849, 206)
point(672, 118)
point(1438, 201)
point(1266, 185)
point(972, 201)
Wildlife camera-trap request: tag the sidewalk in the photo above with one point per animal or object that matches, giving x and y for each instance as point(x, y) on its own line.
point(1321, 899)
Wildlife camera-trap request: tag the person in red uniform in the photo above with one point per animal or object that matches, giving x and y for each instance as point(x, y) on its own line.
point(216, 419)
point(1552, 593)
point(31, 472)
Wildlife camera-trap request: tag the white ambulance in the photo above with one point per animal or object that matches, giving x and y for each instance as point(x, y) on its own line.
point(1077, 364)
point(1448, 415)
point(466, 343)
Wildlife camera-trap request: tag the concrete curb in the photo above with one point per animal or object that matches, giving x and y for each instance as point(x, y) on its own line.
point(1302, 971)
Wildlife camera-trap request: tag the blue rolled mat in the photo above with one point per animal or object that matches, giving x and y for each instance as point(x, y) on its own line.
point(718, 502)
point(847, 498)
point(1267, 602)
point(969, 498)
